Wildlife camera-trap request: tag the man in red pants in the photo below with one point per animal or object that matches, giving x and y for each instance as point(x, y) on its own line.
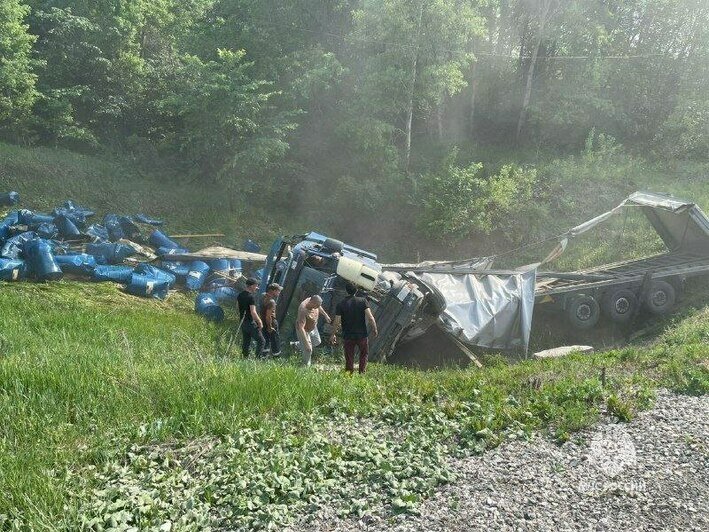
point(354, 314)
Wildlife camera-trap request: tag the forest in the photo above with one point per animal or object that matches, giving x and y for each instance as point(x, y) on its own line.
point(456, 120)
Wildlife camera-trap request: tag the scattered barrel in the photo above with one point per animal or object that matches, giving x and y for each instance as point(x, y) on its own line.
point(40, 260)
point(206, 305)
point(197, 275)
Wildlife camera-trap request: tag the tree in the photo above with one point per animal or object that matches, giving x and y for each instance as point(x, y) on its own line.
point(410, 57)
point(17, 77)
point(224, 121)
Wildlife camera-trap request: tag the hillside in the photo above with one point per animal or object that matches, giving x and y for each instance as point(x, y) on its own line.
point(571, 190)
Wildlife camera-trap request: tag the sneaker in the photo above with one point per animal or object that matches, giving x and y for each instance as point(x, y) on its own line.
point(276, 354)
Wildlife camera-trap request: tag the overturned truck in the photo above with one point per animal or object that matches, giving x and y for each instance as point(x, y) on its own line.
point(417, 307)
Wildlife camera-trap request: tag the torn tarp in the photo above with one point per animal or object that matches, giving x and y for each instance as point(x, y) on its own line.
point(486, 310)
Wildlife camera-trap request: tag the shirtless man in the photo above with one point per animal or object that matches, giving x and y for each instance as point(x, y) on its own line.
point(306, 326)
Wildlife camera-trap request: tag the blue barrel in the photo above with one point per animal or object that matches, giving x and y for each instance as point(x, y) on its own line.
point(206, 305)
point(148, 286)
point(66, 226)
point(117, 274)
point(179, 269)
point(236, 266)
point(157, 273)
point(258, 274)
point(226, 294)
point(113, 226)
point(26, 217)
point(142, 218)
point(48, 231)
point(40, 260)
point(79, 263)
point(251, 246)
point(197, 275)
point(9, 198)
point(171, 251)
point(107, 253)
point(160, 240)
point(130, 229)
point(97, 232)
point(12, 269)
point(220, 265)
point(14, 246)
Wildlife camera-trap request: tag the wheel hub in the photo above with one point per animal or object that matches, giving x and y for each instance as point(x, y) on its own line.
point(659, 298)
point(622, 305)
point(584, 312)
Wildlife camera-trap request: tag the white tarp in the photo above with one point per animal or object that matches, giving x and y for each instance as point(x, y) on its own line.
point(487, 310)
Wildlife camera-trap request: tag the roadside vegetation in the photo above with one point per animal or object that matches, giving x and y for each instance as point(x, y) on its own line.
point(119, 411)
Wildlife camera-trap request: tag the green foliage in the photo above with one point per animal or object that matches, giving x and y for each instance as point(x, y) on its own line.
point(223, 116)
point(460, 201)
point(17, 77)
point(685, 134)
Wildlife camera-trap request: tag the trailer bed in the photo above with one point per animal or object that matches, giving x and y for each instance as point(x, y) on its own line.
point(684, 264)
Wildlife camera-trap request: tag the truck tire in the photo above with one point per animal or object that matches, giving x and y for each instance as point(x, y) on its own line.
point(620, 305)
point(583, 312)
point(660, 298)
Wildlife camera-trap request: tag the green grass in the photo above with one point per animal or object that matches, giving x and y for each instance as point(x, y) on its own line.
point(106, 399)
point(46, 177)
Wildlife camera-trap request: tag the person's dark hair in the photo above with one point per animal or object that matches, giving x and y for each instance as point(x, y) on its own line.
point(273, 286)
point(351, 288)
point(251, 281)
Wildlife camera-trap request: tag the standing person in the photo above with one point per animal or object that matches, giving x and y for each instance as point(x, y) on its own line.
point(268, 317)
point(251, 324)
point(354, 314)
point(306, 326)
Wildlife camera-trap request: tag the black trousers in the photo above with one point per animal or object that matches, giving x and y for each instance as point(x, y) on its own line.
point(273, 338)
point(250, 332)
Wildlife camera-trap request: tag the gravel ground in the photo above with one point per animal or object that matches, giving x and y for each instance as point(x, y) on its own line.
point(650, 474)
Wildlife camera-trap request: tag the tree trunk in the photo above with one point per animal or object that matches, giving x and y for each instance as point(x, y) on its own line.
point(410, 108)
point(473, 93)
point(440, 112)
point(546, 5)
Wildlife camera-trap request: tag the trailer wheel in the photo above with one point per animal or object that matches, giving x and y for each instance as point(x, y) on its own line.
point(660, 298)
point(583, 312)
point(620, 305)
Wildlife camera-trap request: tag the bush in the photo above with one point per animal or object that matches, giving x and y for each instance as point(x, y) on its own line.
point(460, 201)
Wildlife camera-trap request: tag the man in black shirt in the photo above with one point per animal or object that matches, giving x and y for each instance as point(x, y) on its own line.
point(251, 324)
point(354, 314)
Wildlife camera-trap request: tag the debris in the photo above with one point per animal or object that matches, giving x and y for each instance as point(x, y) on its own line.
point(116, 251)
point(558, 352)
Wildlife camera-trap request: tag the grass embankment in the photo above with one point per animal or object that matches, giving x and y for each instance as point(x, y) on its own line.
point(46, 177)
point(119, 410)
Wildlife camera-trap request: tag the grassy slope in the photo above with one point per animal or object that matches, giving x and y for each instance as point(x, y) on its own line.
point(92, 379)
point(46, 177)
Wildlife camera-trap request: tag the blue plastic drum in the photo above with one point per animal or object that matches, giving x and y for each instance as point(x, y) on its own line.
point(206, 305)
point(40, 260)
point(197, 275)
